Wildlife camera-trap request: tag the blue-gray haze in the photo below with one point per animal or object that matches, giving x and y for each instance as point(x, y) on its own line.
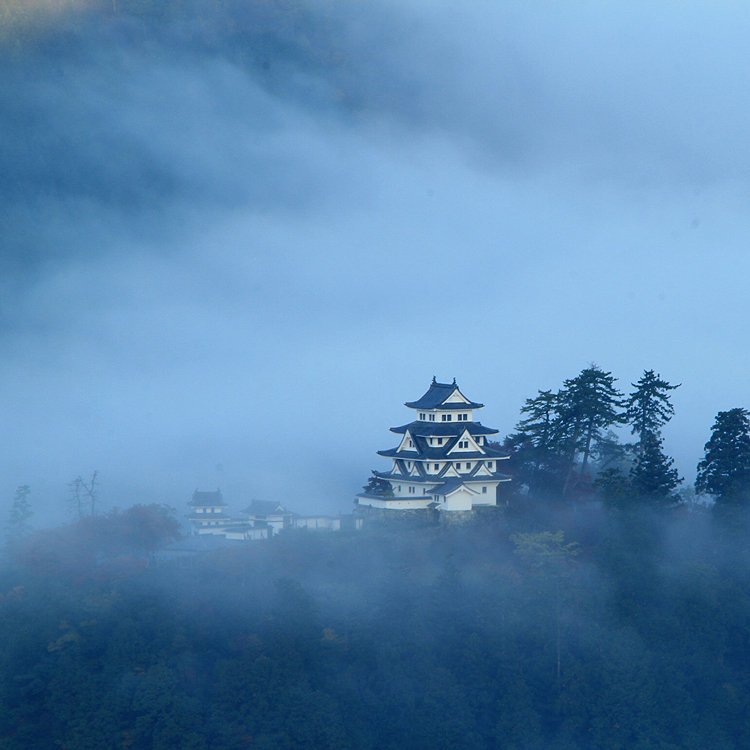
point(237, 236)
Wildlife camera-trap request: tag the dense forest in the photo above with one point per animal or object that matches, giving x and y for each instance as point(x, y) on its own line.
point(543, 626)
point(594, 607)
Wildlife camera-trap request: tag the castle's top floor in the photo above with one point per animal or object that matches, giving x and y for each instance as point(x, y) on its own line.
point(444, 402)
point(207, 500)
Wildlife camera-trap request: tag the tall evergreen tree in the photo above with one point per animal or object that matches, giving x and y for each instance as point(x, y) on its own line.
point(589, 403)
point(725, 469)
point(652, 475)
point(537, 445)
point(648, 407)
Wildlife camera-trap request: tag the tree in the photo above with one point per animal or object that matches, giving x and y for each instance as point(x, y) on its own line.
point(378, 486)
point(84, 495)
point(648, 407)
point(652, 475)
point(537, 449)
point(18, 525)
point(725, 469)
point(589, 403)
point(614, 487)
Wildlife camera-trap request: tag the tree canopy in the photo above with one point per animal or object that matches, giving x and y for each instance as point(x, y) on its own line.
point(724, 470)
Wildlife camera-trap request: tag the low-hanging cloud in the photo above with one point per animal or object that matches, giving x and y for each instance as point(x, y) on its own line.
point(240, 235)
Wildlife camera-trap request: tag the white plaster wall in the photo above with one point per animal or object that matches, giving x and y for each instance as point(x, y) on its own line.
point(421, 501)
point(460, 500)
point(329, 524)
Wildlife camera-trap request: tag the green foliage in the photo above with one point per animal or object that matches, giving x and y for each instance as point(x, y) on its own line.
point(472, 637)
point(545, 550)
point(589, 404)
point(648, 407)
point(560, 428)
point(725, 469)
point(537, 449)
point(378, 486)
point(652, 475)
point(614, 487)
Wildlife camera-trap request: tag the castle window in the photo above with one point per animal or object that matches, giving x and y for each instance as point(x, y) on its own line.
point(484, 490)
point(432, 417)
point(440, 441)
point(411, 445)
point(458, 466)
point(437, 466)
point(421, 415)
point(463, 417)
point(489, 464)
point(446, 417)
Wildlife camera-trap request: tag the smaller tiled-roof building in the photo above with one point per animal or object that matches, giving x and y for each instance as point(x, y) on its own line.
point(207, 510)
point(268, 513)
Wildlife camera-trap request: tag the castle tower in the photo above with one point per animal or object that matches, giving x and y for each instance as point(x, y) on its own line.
point(443, 459)
point(207, 512)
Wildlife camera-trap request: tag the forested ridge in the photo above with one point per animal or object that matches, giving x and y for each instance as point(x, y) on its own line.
point(541, 627)
point(596, 607)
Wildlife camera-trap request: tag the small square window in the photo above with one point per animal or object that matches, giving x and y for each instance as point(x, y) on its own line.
point(484, 490)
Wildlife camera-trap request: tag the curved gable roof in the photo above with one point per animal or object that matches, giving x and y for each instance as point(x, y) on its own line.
point(436, 396)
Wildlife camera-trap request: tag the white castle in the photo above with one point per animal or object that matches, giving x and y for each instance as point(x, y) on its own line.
point(443, 461)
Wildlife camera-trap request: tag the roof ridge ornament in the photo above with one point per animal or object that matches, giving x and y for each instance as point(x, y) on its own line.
point(454, 381)
point(434, 380)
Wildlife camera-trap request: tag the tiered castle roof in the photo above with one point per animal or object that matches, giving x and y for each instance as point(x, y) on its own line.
point(441, 453)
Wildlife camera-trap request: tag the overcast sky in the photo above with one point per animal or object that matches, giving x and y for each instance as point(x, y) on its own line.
point(237, 237)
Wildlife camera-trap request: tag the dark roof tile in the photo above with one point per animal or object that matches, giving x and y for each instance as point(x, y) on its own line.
point(203, 499)
point(441, 429)
point(436, 396)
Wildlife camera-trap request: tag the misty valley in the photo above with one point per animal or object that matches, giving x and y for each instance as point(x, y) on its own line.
point(543, 626)
point(588, 601)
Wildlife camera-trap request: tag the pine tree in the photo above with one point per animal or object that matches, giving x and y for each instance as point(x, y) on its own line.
point(652, 475)
point(378, 486)
point(725, 469)
point(648, 407)
point(538, 446)
point(589, 403)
